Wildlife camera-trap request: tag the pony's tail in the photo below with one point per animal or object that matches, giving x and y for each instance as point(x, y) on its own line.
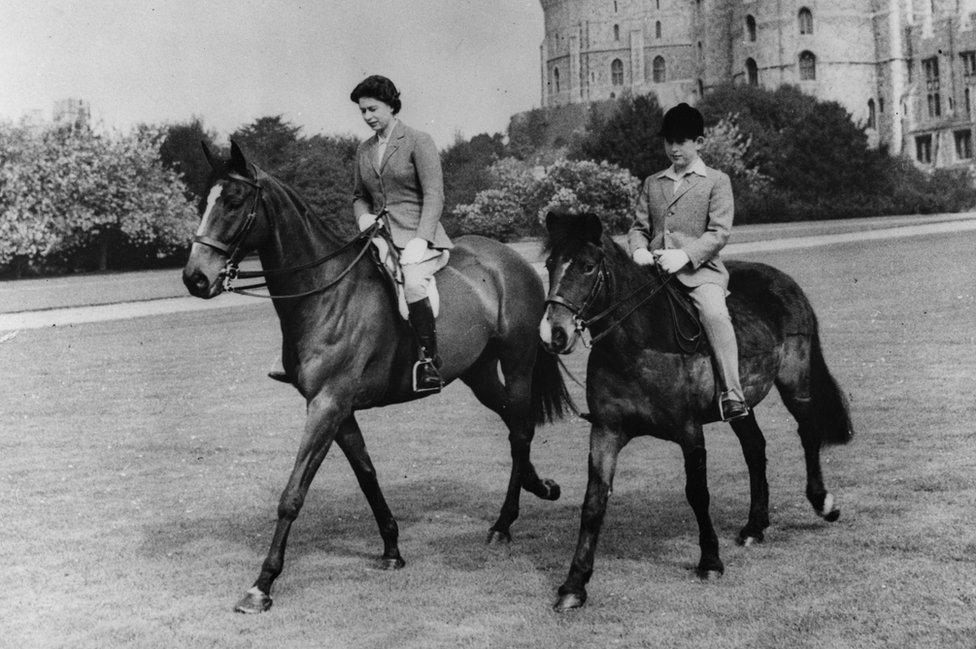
point(550, 398)
point(829, 410)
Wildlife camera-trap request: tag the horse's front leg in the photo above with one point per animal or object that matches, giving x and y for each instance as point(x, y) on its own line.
point(321, 426)
point(350, 440)
point(696, 490)
point(605, 446)
point(754, 449)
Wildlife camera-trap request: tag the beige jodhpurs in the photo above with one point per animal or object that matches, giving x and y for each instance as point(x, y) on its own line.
point(417, 277)
point(710, 301)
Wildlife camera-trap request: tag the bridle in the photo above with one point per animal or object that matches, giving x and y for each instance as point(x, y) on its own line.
point(232, 251)
point(604, 281)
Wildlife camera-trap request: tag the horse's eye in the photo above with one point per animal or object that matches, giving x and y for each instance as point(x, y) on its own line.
point(588, 267)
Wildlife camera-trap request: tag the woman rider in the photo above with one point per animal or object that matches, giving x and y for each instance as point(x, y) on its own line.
point(397, 177)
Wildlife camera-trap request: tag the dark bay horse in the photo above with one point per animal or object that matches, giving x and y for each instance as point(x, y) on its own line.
point(642, 380)
point(347, 349)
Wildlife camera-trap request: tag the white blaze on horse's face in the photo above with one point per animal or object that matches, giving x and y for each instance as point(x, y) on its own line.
point(212, 199)
point(545, 326)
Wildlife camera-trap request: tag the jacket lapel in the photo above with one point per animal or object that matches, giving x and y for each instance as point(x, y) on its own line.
point(393, 144)
point(687, 183)
point(370, 153)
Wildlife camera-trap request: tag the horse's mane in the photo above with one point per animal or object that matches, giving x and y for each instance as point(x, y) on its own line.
point(337, 226)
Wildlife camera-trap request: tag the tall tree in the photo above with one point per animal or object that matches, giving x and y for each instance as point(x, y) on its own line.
point(181, 152)
point(465, 164)
point(267, 141)
point(626, 135)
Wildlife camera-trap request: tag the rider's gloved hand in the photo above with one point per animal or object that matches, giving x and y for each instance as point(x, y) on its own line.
point(672, 260)
point(415, 251)
point(366, 221)
point(643, 257)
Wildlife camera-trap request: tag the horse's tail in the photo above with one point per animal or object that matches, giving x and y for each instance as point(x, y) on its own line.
point(829, 411)
point(550, 398)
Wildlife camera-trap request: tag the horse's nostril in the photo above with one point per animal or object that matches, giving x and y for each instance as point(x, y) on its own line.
point(558, 337)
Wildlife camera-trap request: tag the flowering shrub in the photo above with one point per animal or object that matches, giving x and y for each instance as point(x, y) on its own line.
point(520, 197)
point(72, 193)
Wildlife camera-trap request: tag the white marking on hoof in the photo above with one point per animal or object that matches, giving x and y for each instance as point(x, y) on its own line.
point(828, 504)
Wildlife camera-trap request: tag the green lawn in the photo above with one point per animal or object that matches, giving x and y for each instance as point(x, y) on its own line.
point(141, 462)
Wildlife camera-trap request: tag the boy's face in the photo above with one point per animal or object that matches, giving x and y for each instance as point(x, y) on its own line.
point(683, 152)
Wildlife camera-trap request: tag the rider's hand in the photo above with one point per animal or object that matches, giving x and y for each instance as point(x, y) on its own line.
point(671, 261)
point(366, 221)
point(643, 257)
point(415, 251)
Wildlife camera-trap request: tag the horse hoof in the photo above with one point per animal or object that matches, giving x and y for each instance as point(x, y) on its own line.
point(552, 491)
point(746, 540)
point(569, 602)
point(829, 512)
point(498, 537)
point(254, 601)
point(709, 574)
point(392, 563)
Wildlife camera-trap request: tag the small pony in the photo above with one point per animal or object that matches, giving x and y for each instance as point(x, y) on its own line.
point(643, 379)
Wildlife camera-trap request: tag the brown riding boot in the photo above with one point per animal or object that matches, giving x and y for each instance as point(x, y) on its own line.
point(426, 376)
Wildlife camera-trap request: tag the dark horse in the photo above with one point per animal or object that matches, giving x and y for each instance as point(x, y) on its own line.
point(346, 348)
point(642, 379)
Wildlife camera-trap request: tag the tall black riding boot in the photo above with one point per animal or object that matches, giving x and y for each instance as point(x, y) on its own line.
point(426, 377)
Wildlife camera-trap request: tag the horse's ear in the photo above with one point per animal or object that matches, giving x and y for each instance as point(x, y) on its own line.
point(238, 163)
point(592, 227)
point(211, 160)
point(552, 220)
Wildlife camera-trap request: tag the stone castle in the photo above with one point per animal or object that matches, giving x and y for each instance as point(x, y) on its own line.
point(906, 69)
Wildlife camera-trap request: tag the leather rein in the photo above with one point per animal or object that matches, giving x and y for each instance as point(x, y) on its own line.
point(232, 251)
point(604, 279)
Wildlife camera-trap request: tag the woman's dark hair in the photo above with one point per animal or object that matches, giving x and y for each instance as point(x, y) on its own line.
point(380, 88)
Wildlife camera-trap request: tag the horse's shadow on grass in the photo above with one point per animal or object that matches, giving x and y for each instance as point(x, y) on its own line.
point(447, 521)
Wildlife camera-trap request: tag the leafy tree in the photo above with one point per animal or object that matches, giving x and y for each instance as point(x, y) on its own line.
point(465, 164)
point(181, 152)
point(73, 192)
point(626, 135)
point(527, 133)
point(320, 169)
point(268, 141)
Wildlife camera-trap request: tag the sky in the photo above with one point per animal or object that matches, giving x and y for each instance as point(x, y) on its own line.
point(462, 66)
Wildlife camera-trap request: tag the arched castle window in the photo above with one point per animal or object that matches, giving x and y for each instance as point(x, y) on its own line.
point(660, 70)
point(806, 21)
point(658, 4)
point(657, 29)
point(808, 66)
point(872, 118)
point(616, 32)
point(701, 88)
point(751, 28)
point(752, 72)
point(617, 72)
point(555, 78)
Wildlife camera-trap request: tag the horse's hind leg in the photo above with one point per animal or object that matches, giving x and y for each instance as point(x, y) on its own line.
point(350, 440)
point(754, 449)
point(512, 401)
point(794, 385)
point(321, 426)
